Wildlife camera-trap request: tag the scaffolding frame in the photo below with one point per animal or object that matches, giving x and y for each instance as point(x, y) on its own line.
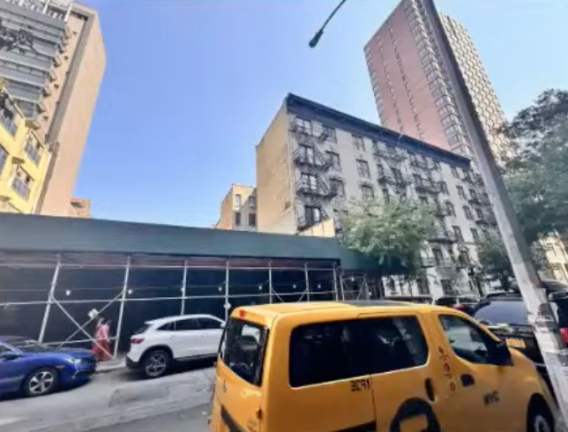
point(310, 286)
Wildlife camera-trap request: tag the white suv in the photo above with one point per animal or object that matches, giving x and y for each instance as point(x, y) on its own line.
point(164, 341)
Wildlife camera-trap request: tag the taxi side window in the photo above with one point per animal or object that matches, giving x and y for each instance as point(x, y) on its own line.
point(396, 343)
point(467, 340)
point(333, 351)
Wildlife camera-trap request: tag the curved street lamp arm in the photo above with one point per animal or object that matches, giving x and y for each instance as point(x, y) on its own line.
point(314, 41)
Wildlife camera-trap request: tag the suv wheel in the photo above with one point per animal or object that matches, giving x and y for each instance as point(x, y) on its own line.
point(540, 420)
point(156, 363)
point(41, 382)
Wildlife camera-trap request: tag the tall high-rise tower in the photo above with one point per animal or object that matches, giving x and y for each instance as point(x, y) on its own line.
point(411, 74)
point(55, 82)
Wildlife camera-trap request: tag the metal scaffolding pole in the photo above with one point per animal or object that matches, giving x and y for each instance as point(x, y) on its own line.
point(50, 298)
point(122, 301)
point(226, 305)
point(335, 283)
point(270, 282)
point(183, 288)
point(307, 281)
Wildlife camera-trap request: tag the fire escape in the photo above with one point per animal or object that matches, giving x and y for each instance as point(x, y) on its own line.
point(312, 188)
point(394, 176)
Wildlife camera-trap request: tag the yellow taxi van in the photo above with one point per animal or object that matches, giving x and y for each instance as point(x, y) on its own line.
point(371, 366)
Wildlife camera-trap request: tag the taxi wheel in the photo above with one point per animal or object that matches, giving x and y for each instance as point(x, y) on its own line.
point(540, 419)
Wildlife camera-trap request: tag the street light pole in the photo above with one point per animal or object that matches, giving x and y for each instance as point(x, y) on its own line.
point(545, 327)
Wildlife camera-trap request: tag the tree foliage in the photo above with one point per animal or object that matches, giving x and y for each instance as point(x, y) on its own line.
point(535, 166)
point(389, 231)
point(494, 260)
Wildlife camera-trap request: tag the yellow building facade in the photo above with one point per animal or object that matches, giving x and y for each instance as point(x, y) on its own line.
point(24, 160)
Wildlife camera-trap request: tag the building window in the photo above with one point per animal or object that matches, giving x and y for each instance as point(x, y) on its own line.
point(3, 157)
point(468, 214)
point(303, 124)
point(479, 213)
point(309, 181)
point(461, 192)
point(417, 179)
point(455, 172)
point(458, 233)
point(252, 219)
point(334, 160)
point(397, 174)
point(22, 183)
point(444, 187)
point(312, 215)
point(237, 218)
point(358, 142)
point(363, 169)
point(252, 202)
point(475, 234)
point(437, 166)
point(338, 187)
point(367, 192)
point(33, 151)
point(473, 193)
point(447, 286)
point(329, 133)
point(238, 200)
point(438, 257)
point(386, 194)
point(423, 200)
point(451, 209)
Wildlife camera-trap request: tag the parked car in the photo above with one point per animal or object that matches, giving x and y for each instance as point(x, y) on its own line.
point(36, 370)
point(465, 303)
point(507, 317)
point(418, 298)
point(380, 365)
point(160, 343)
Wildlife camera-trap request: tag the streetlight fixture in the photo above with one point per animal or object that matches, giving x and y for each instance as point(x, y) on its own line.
point(314, 40)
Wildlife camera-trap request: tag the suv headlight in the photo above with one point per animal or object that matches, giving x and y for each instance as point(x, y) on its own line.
point(74, 361)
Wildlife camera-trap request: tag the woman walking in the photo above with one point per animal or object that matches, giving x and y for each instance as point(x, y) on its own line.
point(102, 346)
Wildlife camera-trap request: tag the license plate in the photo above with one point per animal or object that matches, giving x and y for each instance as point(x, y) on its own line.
point(515, 343)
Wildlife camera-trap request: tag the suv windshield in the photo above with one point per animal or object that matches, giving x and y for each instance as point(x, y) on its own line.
point(28, 345)
point(502, 312)
point(242, 349)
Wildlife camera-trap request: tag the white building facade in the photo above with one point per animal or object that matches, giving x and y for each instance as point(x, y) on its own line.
point(314, 160)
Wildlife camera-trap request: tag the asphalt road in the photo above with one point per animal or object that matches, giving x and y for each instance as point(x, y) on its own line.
point(191, 420)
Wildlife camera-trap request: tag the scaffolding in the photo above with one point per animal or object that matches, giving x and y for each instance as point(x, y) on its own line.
point(58, 297)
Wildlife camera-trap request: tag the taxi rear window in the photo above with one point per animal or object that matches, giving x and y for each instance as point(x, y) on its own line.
point(242, 349)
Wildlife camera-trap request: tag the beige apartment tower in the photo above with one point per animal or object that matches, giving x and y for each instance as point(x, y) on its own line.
point(238, 209)
point(411, 69)
point(55, 83)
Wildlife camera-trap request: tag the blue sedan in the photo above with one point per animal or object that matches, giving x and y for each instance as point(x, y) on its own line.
point(35, 369)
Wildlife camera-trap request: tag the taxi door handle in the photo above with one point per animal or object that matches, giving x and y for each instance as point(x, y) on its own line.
point(467, 380)
point(429, 389)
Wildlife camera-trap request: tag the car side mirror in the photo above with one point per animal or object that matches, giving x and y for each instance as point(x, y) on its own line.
point(10, 355)
point(500, 355)
point(222, 325)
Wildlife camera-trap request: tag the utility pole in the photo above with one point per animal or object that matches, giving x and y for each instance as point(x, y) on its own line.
point(554, 351)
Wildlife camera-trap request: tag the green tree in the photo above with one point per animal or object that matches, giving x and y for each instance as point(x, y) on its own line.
point(494, 260)
point(534, 167)
point(389, 231)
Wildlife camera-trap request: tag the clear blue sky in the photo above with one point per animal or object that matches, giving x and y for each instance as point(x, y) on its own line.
point(190, 87)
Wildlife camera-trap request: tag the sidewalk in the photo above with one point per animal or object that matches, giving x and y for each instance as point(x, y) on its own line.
point(111, 398)
point(111, 365)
